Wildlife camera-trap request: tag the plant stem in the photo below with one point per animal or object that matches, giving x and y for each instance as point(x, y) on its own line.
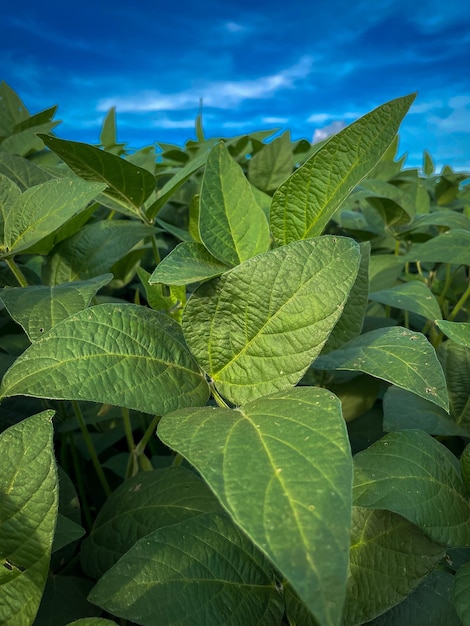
point(218, 398)
point(459, 304)
point(156, 253)
point(17, 272)
point(80, 485)
point(148, 434)
point(128, 429)
point(91, 448)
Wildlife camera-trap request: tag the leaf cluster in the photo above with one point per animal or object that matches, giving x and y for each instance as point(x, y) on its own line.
point(235, 379)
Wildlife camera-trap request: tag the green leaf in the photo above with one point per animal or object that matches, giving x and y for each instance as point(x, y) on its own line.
point(452, 246)
point(201, 571)
point(465, 467)
point(128, 185)
point(37, 308)
point(281, 466)
point(457, 331)
point(232, 225)
point(12, 110)
point(64, 599)
point(397, 355)
point(28, 483)
point(21, 171)
point(92, 621)
point(430, 603)
point(414, 296)
point(93, 250)
point(388, 558)
point(270, 167)
point(455, 360)
point(462, 593)
point(189, 262)
point(304, 204)
point(277, 309)
point(141, 505)
point(412, 474)
point(171, 303)
point(66, 532)
point(384, 269)
point(404, 410)
point(119, 354)
point(175, 182)
point(350, 323)
point(42, 209)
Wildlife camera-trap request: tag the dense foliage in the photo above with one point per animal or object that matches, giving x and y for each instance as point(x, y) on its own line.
point(235, 380)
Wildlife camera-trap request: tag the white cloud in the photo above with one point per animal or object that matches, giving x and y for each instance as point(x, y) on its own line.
point(234, 27)
point(218, 94)
point(275, 120)
point(321, 118)
point(458, 120)
point(327, 131)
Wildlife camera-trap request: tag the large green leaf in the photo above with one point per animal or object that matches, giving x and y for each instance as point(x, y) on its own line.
point(257, 328)
point(232, 225)
point(414, 296)
point(28, 484)
point(42, 209)
point(189, 262)
point(462, 593)
point(128, 185)
point(450, 247)
point(119, 354)
point(397, 355)
point(389, 556)
point(430, 604)
point(93, 250)
point(465, 467)
point(304, 204)
point(457, 331)
point(201, 571)
point(12, 110)
point(37, 308)
point(142, 504)
point(281, 466)
point(415, 476)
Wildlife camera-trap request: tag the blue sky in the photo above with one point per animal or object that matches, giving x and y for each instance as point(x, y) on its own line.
point(311, 67)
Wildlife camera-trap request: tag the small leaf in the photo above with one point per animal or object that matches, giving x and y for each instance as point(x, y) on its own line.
point(397, 355)
point(388, 558)
point(304, 204)
point(414, 296)
point(141, 505)
point(281, 466)
point(452, 246)
point(457, 331)
point(37, 308)
point(270, 167)
point(66, 532)
point(28, 484)
point(127, 184)
point(118, 354)
point(232, 225)
point(412, 474)
point(455, 360)
point(404, 410)
point(93, 250)
point(277, 309)
point(201, 571)
point(189, 262)
point(171, 303)
point(42, 209)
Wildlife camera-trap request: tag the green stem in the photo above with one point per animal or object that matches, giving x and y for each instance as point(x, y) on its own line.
point(91, 448)
point(156, 253)
point(218, 398)
point(459, 304)
point(126, 418)
point(17, 272)
point(148, 434)
point(81, 486)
